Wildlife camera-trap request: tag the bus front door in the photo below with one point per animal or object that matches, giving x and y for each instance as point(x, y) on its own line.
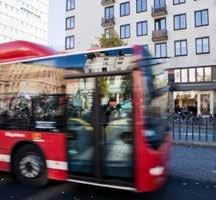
point(116, 126)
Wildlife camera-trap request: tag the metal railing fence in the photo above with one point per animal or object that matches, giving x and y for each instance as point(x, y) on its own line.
point(193, 128)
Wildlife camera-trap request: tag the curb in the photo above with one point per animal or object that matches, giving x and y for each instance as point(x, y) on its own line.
point(197, 144)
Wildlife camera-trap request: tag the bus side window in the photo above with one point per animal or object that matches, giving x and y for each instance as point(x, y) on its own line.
point(16, 111)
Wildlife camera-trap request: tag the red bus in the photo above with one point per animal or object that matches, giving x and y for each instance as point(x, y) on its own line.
point(96, 117)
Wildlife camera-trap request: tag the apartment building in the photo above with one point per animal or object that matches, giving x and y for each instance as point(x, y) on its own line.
point(24, 20)
point(82, 24)
point(180, 33)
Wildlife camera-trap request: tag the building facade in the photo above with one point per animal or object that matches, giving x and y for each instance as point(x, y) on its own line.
point(24, 20)
point(181, 33)
point(82, 24)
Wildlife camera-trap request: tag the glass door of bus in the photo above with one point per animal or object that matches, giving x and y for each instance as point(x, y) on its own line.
point(99, 118)
point(115, 103)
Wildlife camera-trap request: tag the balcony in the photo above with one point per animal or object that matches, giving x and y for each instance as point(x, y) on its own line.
point(108, 22)
point(107, 2)
point(159, 11)
point(159, 35)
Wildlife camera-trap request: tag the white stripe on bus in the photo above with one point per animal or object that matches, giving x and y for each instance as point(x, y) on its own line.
point(103, 185)
point(4, 158)
point(51, 164)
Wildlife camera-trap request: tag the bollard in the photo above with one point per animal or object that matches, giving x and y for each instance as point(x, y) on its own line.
point(193, 128)
point(213, 129)
point(186, 128)
point(206, 130)
point(179, 129)
point(173, 121)
point(199, 122)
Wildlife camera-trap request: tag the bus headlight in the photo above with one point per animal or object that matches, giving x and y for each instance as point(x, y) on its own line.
point(157, 171)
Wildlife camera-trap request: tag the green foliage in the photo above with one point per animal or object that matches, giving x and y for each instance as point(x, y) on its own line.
point(104, 87)
point(126, 86)
point(114, 41)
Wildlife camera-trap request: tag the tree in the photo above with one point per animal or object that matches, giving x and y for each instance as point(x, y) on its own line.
point(114, 41)
point(126, 86)
point(104, 87)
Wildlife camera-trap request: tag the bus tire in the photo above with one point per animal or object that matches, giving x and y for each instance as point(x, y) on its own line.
point(29, 166)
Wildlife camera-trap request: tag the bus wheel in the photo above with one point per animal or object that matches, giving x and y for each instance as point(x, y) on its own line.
point(29, 166)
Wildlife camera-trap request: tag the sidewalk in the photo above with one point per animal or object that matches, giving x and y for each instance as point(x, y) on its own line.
point(193, 162)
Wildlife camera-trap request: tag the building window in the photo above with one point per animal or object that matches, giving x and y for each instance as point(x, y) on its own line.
point(160, 24)
point(200, 75)
point(109, 12)
point(145, 48)
point(181, 48)
point(192, 75)
point(142, 28)
point(180, 22)
point(70, 22)
point(70, 4)
point(208, 74)
point(124, 9)
point(159, 4)
point(177, 76)
point(69, 42)
point(104, 69)
point(201, 18)
point(109, 32)
point(160, 50)
point(202, 45)
point(184, 75)
point(141, 6)
point(175, 2)
point(125, 31)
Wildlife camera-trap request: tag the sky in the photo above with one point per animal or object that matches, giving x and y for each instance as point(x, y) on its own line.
point(56, 25)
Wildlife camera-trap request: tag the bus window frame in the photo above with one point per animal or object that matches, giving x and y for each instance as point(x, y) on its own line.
point(99, 74)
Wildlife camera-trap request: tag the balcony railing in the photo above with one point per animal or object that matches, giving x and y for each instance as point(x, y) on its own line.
point(158, 11)
point(108, 22)
point(107, 2)
point(159, 35)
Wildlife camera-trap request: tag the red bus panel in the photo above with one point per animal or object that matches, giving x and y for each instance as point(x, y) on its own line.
point(19, 50)
point(53, 147)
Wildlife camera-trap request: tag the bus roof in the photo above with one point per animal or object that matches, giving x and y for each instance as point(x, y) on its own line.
point(20, 50)
point(72, 60)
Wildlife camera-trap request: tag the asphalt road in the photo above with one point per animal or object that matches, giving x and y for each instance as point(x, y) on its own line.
point(176, 188)
point(192, 177)
point(194, 163)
